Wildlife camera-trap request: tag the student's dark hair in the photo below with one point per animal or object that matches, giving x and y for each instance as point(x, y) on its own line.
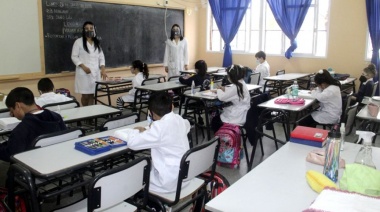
point(323, 76)
point(142, 67)
point(201, 66)
point(172, 32)
point(95, 39)
point(45, 85)
point(236, 73)
point(160, 103)
point(370, 69)
point(19, 94)
point(261, 54)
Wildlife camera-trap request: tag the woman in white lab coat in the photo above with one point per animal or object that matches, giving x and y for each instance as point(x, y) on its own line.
point(330, 101)
point(88, 57)
point(176, 54)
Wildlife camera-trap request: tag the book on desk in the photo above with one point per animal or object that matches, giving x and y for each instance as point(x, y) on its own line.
point(309, 136)
point(9, 123)
point(99, 145)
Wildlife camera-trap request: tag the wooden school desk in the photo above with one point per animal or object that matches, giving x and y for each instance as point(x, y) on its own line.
point(53, 162)
point(210, 70)
point(279, 182)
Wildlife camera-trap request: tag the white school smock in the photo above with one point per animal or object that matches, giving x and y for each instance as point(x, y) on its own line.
point(264, 70)
point(85, 83)
point(237, 112)
point(51, 97)
point(176, 56)
point(136, 81)
point(330, 102)
point(167, 139)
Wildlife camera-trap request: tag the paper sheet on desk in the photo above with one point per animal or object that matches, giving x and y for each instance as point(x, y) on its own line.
point(304, 93)
point(344, 201)
point(126, 134)
point(9, 123)
point(208, 93)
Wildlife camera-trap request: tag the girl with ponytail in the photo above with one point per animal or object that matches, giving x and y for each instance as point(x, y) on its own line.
point(237, 93)
point(141, 72)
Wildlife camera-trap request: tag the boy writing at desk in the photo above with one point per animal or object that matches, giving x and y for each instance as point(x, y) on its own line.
point(167, 139)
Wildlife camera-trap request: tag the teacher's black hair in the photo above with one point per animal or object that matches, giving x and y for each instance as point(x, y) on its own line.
point(95, 39)
point(172, 32)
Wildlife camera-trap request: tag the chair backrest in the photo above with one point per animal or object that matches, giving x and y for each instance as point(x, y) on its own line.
point(119, 121)
point(255, 78)
point(196, 161)
point(57, 137)
point(115, 185)
point(151, 81)
point(350, 117)
point(173, 78)
point(62, 105)
point(374, 87)
point(280, 72)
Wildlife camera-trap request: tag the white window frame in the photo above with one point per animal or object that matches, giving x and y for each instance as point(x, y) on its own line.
point(284, 40)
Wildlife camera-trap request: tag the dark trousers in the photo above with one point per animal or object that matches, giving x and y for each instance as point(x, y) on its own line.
point(216, 123)
point(308, 122)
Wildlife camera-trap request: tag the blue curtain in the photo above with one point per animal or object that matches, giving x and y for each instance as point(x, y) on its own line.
point(290, 15)
point(228, 15)
point(373, 17)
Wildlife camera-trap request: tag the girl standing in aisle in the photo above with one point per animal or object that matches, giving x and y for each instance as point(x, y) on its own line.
point(176, 54)
point(88, 57)
point(237, 93)
point(141, 72)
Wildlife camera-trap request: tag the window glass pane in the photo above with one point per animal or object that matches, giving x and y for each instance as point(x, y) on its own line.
point(369, 48)
point(308, 22)
point(273, 42)
point(214, 26)
point(270, 22)
point(255, 47)
point(323, 16)
point(255, 14)
point(215, 41)
point(304, 42)
point(321, 44)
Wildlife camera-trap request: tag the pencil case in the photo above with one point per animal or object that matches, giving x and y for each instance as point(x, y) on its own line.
point(298, 101)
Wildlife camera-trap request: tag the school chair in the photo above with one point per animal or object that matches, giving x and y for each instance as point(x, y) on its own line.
point(280, 72)
point(194, 162)
point(374, 88)
point(62, 105)
point(255, 78)
point(349, 117)
point(119, 121)
point(175, 96)
point(110, 189)
point(142, 97)
point(57, 137)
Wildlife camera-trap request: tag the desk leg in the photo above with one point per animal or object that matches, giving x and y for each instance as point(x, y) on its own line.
point(208, 127)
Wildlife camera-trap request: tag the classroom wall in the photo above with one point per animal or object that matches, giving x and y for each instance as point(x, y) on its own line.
point(346, 44)
point(346, 47)
point(20, 34)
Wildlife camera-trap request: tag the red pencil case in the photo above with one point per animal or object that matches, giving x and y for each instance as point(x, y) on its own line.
point(298, 101)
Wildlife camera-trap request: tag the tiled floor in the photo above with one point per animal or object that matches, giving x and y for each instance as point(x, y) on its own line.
point(231, 174)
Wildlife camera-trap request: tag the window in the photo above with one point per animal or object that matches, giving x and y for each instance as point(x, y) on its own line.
point(368, 55)
point(260, 31)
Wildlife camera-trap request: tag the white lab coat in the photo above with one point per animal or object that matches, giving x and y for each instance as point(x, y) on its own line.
point(51, 97)
point(167, 139)
point(264, 70)
point(237, 112)
point(176, 56)
point(330, 101)
point(136, 81)
point(85, 83)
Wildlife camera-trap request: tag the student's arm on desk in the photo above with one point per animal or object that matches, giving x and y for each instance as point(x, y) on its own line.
point(137, 140)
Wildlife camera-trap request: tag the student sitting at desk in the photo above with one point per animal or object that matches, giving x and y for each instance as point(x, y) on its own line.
point(141, 72)
point(237, 93)
point(366, 85)
point(46, 88)
point(167, 139)
point(330, 101)
point(263, 67)
point(34, 122)
point(200, 78)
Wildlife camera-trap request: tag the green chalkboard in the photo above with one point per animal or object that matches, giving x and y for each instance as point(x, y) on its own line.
point(126, 32)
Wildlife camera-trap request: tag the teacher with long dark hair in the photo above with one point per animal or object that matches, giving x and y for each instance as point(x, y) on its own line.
point(88, 57)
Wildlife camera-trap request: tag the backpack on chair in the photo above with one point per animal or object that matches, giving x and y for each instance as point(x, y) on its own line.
point(230, 145)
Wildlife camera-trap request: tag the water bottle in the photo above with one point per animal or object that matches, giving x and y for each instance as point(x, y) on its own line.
point(331, 71)
point(212, 84)
point(343, 134)
point(331, 166)
point(364, 155)
point(295, 90)
point(192, 88)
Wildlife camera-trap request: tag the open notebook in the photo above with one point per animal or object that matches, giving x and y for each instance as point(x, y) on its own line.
point(9, 123)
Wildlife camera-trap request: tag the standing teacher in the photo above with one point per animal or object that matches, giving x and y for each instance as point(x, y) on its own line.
point(176, 56)
point(88, 57)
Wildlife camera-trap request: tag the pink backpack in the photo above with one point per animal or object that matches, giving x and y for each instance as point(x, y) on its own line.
point(230, 145)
